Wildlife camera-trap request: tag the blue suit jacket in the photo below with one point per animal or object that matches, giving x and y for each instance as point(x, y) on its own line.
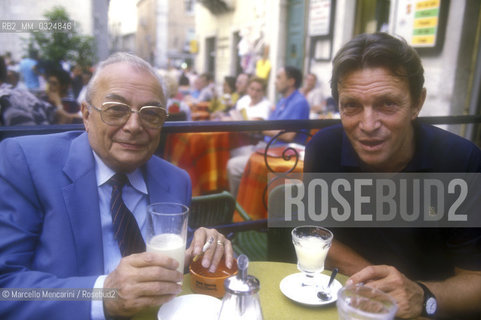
point(50, 232)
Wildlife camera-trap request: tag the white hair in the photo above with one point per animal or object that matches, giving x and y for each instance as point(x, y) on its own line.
point(132, 60)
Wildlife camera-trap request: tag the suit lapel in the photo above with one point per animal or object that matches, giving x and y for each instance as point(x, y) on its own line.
point(82, 204)
point(156, 182)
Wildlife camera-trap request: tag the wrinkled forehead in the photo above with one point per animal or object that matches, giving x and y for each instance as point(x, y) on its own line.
point(396, 75)
point(125, 77)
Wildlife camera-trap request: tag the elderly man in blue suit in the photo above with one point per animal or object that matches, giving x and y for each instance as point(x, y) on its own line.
point(55, 222)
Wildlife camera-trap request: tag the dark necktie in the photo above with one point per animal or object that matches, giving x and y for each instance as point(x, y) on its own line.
point(126, 230)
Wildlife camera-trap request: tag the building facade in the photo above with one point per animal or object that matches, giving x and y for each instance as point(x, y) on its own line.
point(308, 33)
point(164, 31)
point(232, 39)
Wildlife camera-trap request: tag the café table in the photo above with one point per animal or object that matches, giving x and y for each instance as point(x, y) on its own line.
point(204, 156)
point(273, 302)
point(252, 192)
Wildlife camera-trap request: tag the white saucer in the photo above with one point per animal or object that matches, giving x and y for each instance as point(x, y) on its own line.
point(191, 306)
point(291, 287)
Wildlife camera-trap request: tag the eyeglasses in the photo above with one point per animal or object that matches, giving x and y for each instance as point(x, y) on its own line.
point(117, 114)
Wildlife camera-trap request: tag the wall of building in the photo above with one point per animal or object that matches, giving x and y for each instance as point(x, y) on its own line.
point(122, 25)
point(181, 28)
point(266, 17)
point(100, 27)
point(146, 30)
point(222, 27)
point(162, 33)
point(343, 28)
point(440, 68)
point(447, 72)
point(162, 30)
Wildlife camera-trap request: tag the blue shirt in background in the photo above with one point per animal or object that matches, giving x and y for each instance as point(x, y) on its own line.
point(29, 76)
point(293, 107)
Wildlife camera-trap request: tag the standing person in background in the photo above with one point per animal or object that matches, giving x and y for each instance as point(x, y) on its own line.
point(29, 71)
point(263, 65)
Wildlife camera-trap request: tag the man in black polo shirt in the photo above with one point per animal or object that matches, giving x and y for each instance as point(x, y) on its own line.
point(378, 83)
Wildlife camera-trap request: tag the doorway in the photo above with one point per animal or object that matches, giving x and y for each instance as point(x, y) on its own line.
point(210, 45)
point(296, 18)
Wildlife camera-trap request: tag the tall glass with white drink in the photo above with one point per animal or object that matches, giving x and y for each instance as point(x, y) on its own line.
point(167, 230)
point(312, 244)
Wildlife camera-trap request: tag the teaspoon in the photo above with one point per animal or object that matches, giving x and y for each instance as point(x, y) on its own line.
point(325, 295)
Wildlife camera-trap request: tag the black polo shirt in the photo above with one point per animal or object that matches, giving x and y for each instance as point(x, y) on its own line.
point(419, 253)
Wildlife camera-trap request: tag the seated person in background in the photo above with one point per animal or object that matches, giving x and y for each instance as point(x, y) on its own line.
point(206, 87)
point(77, 81)
point(184, 84)
point(291, 106)
point(59, 92)
point(177, 109)
point(86, 76)
point(194, 92)
point(254, 105)
point(240, 91)
point(228, 98)
point(378, 82)
point(230, 95)
point(21, 107)
point(313, 93)
point(55, 212)
point(241, 85)
point(13, 77)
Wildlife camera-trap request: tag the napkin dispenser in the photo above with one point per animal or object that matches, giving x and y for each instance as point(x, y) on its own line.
point(241, 299)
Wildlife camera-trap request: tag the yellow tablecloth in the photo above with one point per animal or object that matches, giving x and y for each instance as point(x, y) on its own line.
point(254, 182)
point(204, 156)
point(274, 304)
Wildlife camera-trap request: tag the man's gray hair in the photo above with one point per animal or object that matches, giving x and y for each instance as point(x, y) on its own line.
point(132, 60)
